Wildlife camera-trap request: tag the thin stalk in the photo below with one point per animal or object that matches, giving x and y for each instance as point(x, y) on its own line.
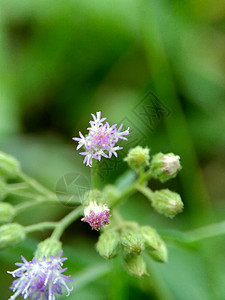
point(94, 175)
point(40, 226)
point(66, 221)
point(36, 185)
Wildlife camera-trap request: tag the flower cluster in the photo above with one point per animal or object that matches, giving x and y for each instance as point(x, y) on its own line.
point(40, 280)
point(101, 139)
point(97, 215)
point(171, 164)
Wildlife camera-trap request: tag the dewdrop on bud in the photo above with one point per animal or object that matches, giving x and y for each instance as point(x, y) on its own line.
point(160, 254)
point(167, 203)
point(11, 234)
point(132, 241)
point(3, 189)
point(9, 166)
point(138, 158)
point(165, 166)
point(108, 244)
point(7, 212)
point(111, 193)
point(48, 247)
point(135, 265)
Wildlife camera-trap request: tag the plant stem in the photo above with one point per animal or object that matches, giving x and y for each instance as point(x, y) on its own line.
point(66, 221)
point(40, 226)
point(146, 191)
point(94, 175)
point(36, 185)
point(13, 187)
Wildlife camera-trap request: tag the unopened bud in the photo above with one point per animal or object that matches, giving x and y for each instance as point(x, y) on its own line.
point(111, 193)
point(7, 212)
point(151, 238)
point(48, 247)
point(165, 166)
point(11, 234)
point(160, 254)
point(108, 244)
point(93, 196)
point(167, 203)
point(135, 265)
point(3, 189)
point(138, 158)
point(9, 166)
point(132, 241)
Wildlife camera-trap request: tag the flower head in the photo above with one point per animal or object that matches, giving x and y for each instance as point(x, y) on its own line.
point(97, 215)
point(171, 164)
point(101, 139)
point(40, 280)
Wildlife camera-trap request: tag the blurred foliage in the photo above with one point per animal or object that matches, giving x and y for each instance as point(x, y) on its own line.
point(62, 60)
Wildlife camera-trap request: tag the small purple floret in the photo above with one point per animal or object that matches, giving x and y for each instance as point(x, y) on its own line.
point(40, 280)
point(101, 139)
point(96, 215)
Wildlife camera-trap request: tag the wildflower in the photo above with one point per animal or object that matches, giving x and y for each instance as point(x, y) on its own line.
point(171, 164)
point(40, 280)
point(101, 139)
point(97, 215)
point(165, 166)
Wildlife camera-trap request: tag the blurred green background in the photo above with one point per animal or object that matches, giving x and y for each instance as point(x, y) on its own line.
point(62, 60)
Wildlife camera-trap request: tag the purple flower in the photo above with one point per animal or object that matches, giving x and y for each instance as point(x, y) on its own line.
point(97, 215)
point(101, 139)
point(40, 280)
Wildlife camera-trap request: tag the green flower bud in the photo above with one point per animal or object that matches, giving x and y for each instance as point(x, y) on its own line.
point(161, 254)
point(151, 238)
point(9, 166)
point(11, 234)
point(135, 265)
point(167, 203)
point(138, 158)
point(165, 166)
point(108, 244)
point(48, 247)
point(7, 212)
point(93, 195)
point(132, 241)
point(111, 193)
point(154, 245)
point(3, 189)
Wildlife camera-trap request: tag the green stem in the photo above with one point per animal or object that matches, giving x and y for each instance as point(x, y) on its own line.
point(13, 187)
point(94, 174)
point(36, 185)
point(23, 206)
point(66, 221)
point(40, 226)
point(146, 191)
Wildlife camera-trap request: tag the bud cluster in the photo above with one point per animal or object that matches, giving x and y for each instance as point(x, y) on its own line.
point(133, 243)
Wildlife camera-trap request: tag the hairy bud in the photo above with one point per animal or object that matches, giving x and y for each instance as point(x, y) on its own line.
point(11, 234)
point(9, 166)
point(7, 212)
point(135, 265)
point(138, 158)
point(3, 189)
point(132, 241)
point(167, 203)
point(108, 244)
point(165, 166)
point(48, 247)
